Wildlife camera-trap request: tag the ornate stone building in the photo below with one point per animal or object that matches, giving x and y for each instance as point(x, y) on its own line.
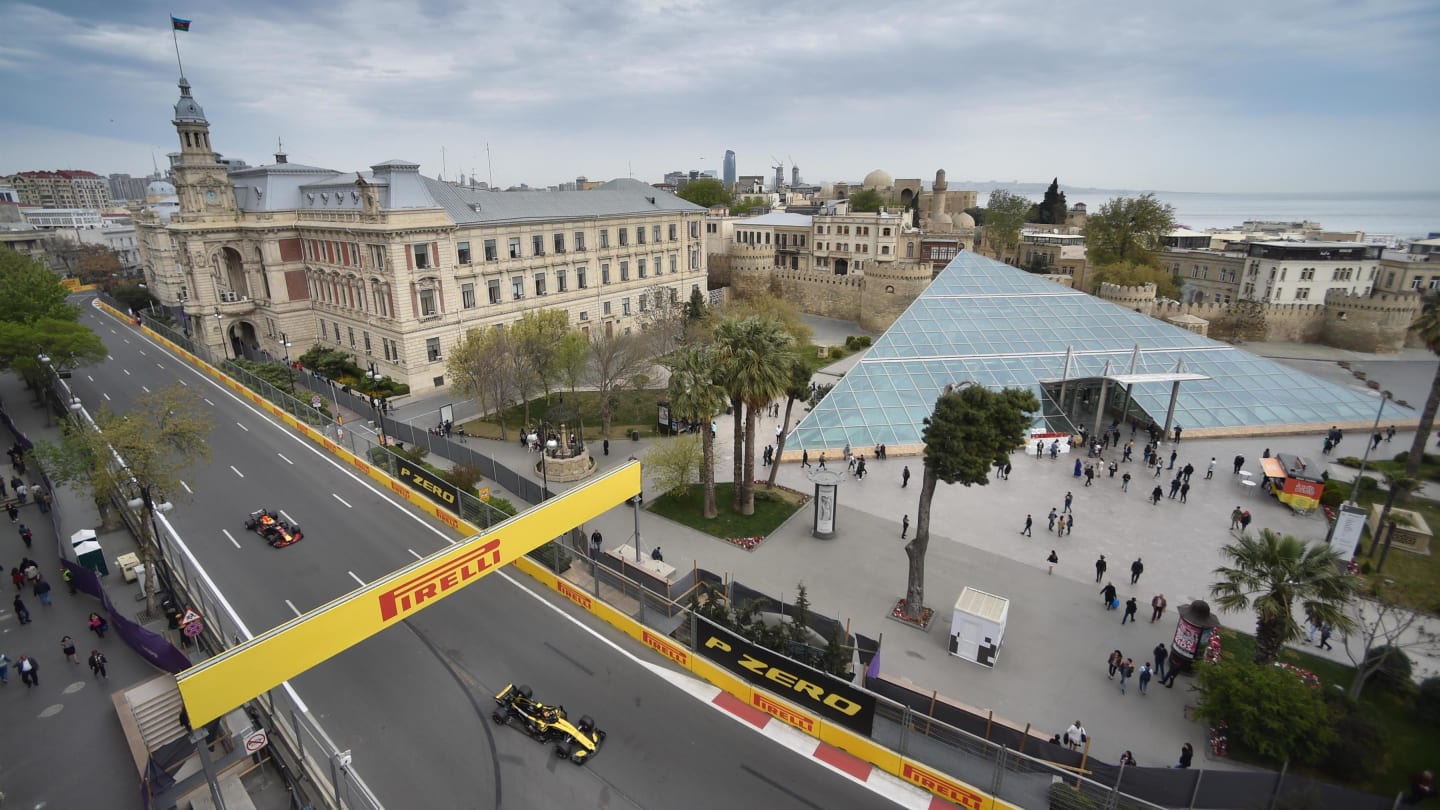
point(395, 267)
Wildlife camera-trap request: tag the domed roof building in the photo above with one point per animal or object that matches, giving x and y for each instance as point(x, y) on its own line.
point(878, 179)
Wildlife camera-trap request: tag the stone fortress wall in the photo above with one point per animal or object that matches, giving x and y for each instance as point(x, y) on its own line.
point(874, 298)
point(1363, 323)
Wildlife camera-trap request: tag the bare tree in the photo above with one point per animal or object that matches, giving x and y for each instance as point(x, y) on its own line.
point(1388, 629)
point(663, 319)
point(481, 367)
point(616, 361)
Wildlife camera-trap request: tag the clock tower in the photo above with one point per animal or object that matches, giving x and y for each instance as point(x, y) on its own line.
point(202, 183)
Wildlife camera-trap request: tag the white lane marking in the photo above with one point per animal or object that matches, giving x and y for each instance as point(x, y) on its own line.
point(113, 332)
point(107, 396)
point(208, 402)
point(110, 356)
point(342, 500)
point(357, 579)
point(230, 537)
point(182, 382)
point(287, 517)
point(292, 607)
point(160, 366)
point(413, 554)
point(142, 351)
point(187, 487)
point(127, 340)
point(143, 388)
point(286, 460)
point(237, 472)
point(127, 371)
point(88, 377)
point(242, 427)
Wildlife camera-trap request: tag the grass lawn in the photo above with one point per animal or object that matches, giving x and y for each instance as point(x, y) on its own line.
point(635, 411)
point(1414, 579)
point(1412, 746)
point(772, 507)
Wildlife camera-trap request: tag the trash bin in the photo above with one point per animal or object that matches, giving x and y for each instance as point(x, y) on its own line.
point(634, 435)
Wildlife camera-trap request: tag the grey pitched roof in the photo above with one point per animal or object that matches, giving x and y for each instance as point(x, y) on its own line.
point(623, 197)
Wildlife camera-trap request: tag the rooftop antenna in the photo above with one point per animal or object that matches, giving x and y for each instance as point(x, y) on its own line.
point(631, 167)
point(472, 177)
point(490, 166)
point(442, 163)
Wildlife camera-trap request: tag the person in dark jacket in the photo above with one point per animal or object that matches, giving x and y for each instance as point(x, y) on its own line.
point(1108, 594)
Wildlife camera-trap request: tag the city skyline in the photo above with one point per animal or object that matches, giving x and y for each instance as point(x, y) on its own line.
point(1165, 100)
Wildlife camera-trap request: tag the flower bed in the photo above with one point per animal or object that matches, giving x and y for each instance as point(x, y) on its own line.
point(747, 543)
point(923, 623)
point(1307, 677)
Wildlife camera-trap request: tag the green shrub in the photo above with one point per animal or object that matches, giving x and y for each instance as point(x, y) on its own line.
point(864, 341)
point(1427, 700)
point(464, 477)
point(1348, 461)
point(1335, 494)
point(1269, 711)
point(502, 505)
point(1359, 750)
point(1394, 674)
point(1368, 485)
point(851, 342)
point(553, 555)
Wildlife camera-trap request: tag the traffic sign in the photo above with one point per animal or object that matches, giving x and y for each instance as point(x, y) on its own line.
point(190, 616)
point(192, 629)
point(315, 401)
point(256, 741)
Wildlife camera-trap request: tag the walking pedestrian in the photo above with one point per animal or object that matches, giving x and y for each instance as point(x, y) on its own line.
point(1174, 487)
point(860, 469)
point(13, 512)
point(97, 625)
point(1053, 515)
point(1314, 627)
point(1245, 520)
point(905, 477)
point(1325, 632)
point(1187, 754)
point(29, 671)
point(1075, 736)
point(1239, 462)
point(1089, 475)
point(1026, 531)
point(1130, 608)
point(1116, 659)
point(1068, 498)
point(595, 540)
point(1156, 494)
point(17, 577)
point(21, 612)
point(97, 664)
point(42, 591)
point(1184, 491)
point(1125, 482)
point(1005, 471)
point(1136, 569)
point(1114, 468)
point(1210, 470)
point(1375, 440)
point(804, 458)
point(1108, 594)
point(1173, 455)
point(4, 669)
point(26, 535)
point(43, 499)
point(1060, 526)
point(1187, 471)
point(1039, 450)
point(1127, 668)
point(1177, 433)
point(1144, 679)
point(1100, 568)
point(822, 460)
point(1053, 559)
point(1389, 433)
point(67, 646)
point(1159, 468)
point(1070, 525)
point(904, 526)
point(1157, 609)
point(1235, 517)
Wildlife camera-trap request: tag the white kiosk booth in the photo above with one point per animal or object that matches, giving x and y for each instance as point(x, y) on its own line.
point(978, 626)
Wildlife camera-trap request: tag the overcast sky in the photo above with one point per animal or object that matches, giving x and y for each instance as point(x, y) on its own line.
point(1276, 95)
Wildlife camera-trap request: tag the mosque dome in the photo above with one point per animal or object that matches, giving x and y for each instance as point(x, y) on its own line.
point(160, 188)
point(878, 179)
point(826, 190)
point(962, 220)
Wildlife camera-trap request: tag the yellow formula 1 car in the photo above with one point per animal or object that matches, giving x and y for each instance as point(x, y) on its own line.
point(577, 741)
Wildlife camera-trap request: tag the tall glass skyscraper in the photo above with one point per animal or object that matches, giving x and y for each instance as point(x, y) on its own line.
point(729, 168)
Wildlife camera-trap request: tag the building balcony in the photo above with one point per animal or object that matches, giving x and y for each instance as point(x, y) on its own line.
point(230, 305)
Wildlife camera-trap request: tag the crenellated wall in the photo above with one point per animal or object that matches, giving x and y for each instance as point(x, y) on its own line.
point(1365, 323)
point(889, 290)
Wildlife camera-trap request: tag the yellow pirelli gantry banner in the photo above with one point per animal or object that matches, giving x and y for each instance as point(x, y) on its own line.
point(241, 673)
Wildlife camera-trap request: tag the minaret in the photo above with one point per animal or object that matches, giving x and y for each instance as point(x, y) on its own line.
point(938, 220)
point(202, 183)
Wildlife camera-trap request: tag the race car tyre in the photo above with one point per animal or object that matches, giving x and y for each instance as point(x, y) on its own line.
point(500, 718)
point(586, 723)
point(524, 691)
point(562, 751)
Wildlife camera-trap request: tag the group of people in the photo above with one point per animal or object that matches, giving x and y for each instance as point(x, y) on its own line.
point(28, 571)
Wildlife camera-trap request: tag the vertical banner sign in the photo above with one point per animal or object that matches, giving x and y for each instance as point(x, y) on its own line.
point(838, 701)
point(1348, 526)
point(824, 511)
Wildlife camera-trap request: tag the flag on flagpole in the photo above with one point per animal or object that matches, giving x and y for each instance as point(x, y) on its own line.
point(179, 24)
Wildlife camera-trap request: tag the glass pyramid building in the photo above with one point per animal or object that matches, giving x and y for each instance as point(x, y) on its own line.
point(987, 322)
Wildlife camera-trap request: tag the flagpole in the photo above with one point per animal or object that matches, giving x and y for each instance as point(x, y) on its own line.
point(176, 38)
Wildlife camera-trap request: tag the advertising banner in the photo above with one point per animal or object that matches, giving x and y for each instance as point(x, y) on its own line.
point(835, 700)
point(427, 483)
point(214, 687)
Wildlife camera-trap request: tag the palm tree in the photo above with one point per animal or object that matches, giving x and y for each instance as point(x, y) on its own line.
point(1401, 487)
point(695, 396)
point(756, 356)
point(1427, 327)
point(797, 388)
point(1270, 572)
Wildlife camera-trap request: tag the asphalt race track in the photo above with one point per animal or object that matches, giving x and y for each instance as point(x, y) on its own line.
point(413, 704)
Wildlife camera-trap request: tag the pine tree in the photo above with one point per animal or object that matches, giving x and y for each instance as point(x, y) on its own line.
point(1053, 208)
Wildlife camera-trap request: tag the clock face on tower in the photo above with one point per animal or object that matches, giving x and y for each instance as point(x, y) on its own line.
point(211, 196)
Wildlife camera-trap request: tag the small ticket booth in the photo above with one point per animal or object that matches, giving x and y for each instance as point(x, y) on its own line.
point(978, 626)
point(1293, 480)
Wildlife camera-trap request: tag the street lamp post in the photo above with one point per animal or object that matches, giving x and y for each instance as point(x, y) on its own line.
point(289, 365)
point(377, 403)
point(1369, 443)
